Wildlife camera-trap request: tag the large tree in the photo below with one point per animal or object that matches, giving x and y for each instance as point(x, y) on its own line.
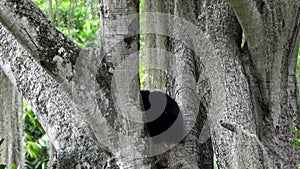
point(10, 128)
point(229, 64)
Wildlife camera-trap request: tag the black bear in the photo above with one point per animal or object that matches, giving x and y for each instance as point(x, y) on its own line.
point(163, 120)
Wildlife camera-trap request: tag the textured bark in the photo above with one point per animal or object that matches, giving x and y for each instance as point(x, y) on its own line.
point(272, 32)
point(34, 31)
point(120, 42)
point(49, 100)
point(184, 74)
point(230, 99)
point(12, 149)
point(72, 138)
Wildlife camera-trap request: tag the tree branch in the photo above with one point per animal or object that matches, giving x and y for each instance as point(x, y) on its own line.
point(39, 37)
point(250, 20)
point(68, 130)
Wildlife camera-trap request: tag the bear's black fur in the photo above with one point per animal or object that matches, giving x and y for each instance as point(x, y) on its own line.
point(161, 112)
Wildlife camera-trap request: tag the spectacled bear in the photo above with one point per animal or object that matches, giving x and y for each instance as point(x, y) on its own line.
point(162, 117)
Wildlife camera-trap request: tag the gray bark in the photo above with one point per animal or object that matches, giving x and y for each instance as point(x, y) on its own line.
point(70, 135)
point(157, 46)
point(50, 97)
point(184, 74)
point(12, 149)
point(230, 100)
point(272, 32)
point(240, 82)
point(120, 43)
point(34, 31)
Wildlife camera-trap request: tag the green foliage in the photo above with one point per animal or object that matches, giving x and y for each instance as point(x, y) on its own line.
point(36, 142)
point(75, 19)
point(296, 140)
point(141, 6)
point(81, 26)
point(298, 64)
point(2, 166)
point(14, 166)
point(142, 74)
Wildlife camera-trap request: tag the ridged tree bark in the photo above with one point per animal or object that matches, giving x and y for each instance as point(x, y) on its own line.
point(253, 87)
point(184, 68)
point(48, 92)
point(120, 44)
point(12, 149)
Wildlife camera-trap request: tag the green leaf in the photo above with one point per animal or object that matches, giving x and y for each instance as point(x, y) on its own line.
point(2, 166)
point(14, 166)
point(33, 149)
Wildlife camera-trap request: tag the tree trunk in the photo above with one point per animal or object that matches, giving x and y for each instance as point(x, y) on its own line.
point(192, 154)
point(157, 47)
point(272, 33)
point(11, 129)
point(120, 44)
